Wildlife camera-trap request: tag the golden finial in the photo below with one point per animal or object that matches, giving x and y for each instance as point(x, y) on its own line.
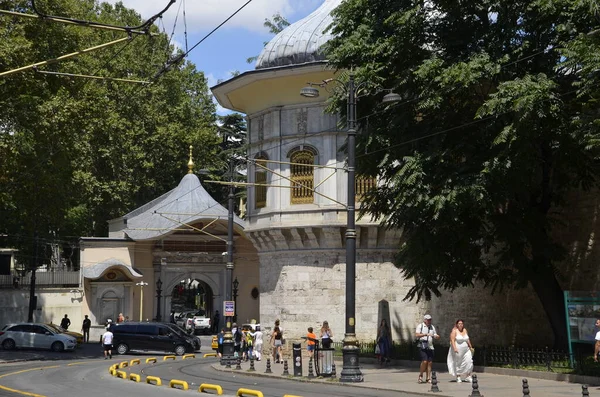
point(191, 162)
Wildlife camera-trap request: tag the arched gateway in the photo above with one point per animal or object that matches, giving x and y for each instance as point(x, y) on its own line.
point(167, 256)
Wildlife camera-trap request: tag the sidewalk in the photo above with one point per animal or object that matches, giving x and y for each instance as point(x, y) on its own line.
point(399, 378)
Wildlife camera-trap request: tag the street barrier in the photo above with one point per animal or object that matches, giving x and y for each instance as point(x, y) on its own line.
point(135, 361)
point(155, 379)
point(175, 382)
point(208, 386)
point(249, 392)
point(210, 355)
point(151, 360)
point(188, 356)
point(165, 358)
point(122, 374)
point(123, 364)
point(135, 377)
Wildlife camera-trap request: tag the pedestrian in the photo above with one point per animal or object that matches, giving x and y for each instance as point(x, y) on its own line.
point(258, 342)
point(460, 353)
point(384, 341)
point(326, 335)
point(120, 318)
point(215, 323)
point(237, 340)
point(278, 325)
point(597, 345)
point(85, 329)
point(107, 340)
point(220, 338)
point(311, 340)
point(276, 344)
point(65, 322)
point(425, 334)
point(249, 345)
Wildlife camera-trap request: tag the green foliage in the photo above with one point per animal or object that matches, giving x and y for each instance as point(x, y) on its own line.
point(75, 153)
point(499, 123)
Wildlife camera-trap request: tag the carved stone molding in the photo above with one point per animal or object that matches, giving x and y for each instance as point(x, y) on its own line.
point(188, 257)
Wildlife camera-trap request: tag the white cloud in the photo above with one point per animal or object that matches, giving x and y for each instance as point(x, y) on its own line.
point(204, 15)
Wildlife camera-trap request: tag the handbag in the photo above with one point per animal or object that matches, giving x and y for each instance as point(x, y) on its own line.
point(377, 350)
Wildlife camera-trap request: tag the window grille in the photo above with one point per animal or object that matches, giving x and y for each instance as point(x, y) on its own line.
point(260, 178)
point(302, 177)
point(363, 184)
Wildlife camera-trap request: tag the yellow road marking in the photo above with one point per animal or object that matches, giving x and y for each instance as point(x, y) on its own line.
point(21, 392)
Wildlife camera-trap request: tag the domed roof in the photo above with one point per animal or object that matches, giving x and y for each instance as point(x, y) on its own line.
point(301, 41)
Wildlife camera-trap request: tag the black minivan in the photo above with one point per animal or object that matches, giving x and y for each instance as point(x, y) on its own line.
point(149, 337)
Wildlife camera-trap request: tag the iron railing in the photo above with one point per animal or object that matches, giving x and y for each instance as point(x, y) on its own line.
point(43, 279)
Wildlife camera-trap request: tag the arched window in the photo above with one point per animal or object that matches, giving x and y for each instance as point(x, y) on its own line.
point(302, 176)
point(260, 179)
point(363, 184)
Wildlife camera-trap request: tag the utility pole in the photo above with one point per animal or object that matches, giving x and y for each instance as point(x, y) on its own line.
point(32, 298)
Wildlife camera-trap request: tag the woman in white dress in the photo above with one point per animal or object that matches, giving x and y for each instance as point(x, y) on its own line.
point(460, 356)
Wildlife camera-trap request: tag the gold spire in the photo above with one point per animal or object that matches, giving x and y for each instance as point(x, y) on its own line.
point(191, 162)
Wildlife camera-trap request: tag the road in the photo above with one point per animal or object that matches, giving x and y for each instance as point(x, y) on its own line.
point(85, 373)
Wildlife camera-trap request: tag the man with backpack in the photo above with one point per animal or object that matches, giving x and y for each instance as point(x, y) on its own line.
point(425, 334)
point(237, 340)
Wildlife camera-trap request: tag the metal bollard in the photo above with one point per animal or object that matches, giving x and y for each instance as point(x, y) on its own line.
point(285, 369)
point(238, 364)
point(434, 382)
point(584, 391)
point(228, 363)
point(475, 392)
point(251, 369)
point(526, 388)
point(333, 373)
point(311, 374)
point(268, 370)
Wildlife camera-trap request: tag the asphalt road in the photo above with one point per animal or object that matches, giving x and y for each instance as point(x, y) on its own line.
point(85, 373)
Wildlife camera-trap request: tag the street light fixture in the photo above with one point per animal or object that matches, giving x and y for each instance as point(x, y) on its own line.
point(228, 344)
point(141, 284)
point(350, 371)
point(236, 284)
point(158, 296)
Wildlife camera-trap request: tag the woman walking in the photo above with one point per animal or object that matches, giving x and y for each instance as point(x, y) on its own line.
point(460, 354)
point(384, 342)
point(326, 335)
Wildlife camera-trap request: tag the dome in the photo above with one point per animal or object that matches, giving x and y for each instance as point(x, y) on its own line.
point(301, 41)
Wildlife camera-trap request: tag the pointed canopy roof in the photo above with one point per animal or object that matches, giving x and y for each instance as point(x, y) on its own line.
point(300, 42)
point(188, 203)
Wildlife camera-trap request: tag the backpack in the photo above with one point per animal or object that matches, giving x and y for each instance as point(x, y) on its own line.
point(238, 337)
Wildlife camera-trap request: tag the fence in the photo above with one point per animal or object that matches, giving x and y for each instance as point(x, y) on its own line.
point(54, 279)
point(531, 358)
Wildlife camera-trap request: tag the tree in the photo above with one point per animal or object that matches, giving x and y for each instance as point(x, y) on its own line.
point(498, 124)
point(275, 25)
point(75, 153)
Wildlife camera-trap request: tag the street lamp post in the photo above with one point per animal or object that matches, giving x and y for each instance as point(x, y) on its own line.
point(158, 296)
point(141, 284)
point(350, 371)
point(236, 284)
point(228, 345)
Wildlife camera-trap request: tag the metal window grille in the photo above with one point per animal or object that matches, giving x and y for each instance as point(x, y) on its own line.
point(303, 177)
point(363, 184)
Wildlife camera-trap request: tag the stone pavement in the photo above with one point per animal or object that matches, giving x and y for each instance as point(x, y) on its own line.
point(403, 378)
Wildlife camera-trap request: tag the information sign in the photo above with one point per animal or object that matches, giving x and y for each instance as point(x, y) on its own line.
point(229, 308)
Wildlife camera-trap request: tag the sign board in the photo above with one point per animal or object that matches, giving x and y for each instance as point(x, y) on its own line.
point(582, 310)
point(229, 308)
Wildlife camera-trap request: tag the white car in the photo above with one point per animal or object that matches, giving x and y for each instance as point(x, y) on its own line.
point(36, 336)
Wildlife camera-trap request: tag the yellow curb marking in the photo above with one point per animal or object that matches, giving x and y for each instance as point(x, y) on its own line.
point(205, 386)
point(156, 379)
point(210, 355)
point(134, 361)
point(165, 358)
point(151, 360)
point(176, 382)
point(21, 392)
point(135, 377)
point(122, 374)
point(242, 392)
point(188, 356)
point(124, 364)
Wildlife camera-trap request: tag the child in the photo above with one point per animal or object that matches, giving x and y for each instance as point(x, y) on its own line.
point(311, 338)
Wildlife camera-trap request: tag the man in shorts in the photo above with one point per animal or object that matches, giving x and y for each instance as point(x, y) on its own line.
point(107, 340)
point(597, 345)
point(425, 334)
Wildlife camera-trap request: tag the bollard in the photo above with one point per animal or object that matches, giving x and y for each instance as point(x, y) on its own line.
point(311, 374)
point(285, 369)
point(526, 388)
point(238, 364)
point(251, 369)
point(268, 370)
point(228, 363)
point(333, 373)
point(475, 392)
point(584, 391)
point(434, 382)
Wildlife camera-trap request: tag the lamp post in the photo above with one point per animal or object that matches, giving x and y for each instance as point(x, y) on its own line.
point(141, 284)
point(350, 371)
point(236, 284)
point(158, 296)
point(228, 346)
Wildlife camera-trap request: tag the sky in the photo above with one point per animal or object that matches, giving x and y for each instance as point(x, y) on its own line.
point(227, 49)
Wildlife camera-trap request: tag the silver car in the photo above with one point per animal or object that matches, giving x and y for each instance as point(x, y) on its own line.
point(36, 336)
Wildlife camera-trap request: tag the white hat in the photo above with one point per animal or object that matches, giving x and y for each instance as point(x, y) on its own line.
point(427, 317)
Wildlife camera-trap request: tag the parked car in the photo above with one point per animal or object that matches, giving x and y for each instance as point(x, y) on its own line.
point(142, 336)
point(194, 321)
point(37, 336)
point(78, 337)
